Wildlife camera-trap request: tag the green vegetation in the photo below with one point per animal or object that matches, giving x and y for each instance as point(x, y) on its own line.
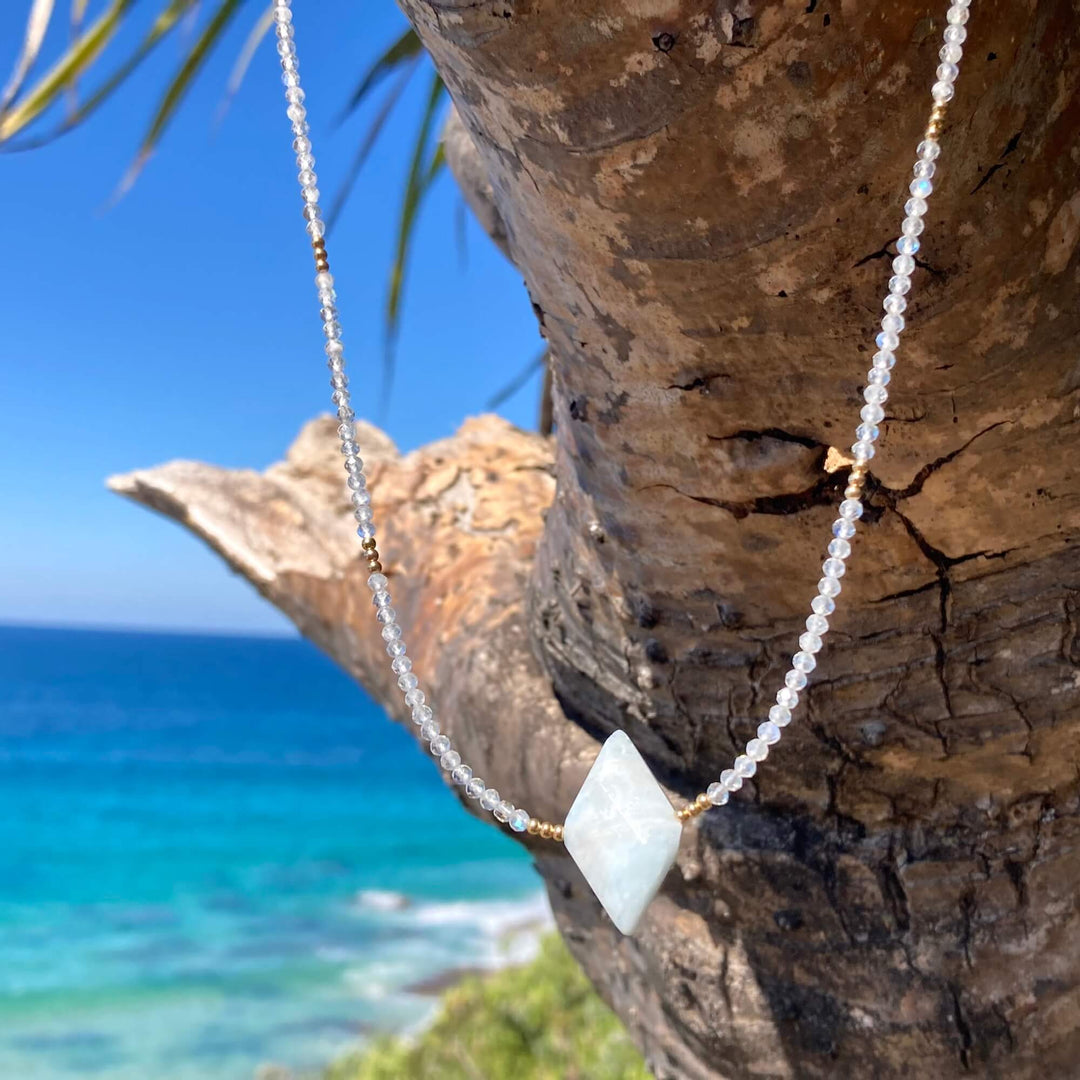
point(542, 1021)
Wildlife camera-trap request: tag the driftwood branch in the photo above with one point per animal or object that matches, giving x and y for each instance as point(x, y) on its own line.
point(701, 198)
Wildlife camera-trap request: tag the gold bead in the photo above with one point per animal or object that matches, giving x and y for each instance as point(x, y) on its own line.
point(533, 827)
point(368, 545)
point(557, 834)
point(374, 566)
point(853, 491)
point(683, 814)
point(545, 830)
point(702, 802)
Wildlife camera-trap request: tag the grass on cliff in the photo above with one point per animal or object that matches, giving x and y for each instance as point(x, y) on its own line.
point(541, 1021)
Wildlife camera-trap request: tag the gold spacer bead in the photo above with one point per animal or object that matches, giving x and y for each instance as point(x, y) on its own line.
point(853, 491)
point(684, 813)
point(702, 803)
point(374, 566)
point(368, 545)
point(557, 834)
point(533, 827)
point(857, 471)
point(545, 830)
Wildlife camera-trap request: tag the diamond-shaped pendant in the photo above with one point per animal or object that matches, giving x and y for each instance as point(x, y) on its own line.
point(622, 832)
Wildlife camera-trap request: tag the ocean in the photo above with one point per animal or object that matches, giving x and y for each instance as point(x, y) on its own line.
point(217, 852)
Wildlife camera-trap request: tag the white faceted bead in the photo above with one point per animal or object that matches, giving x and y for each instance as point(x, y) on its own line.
point(942, 92)
point(731, 780)
point(386, 614)
point(893, 324)
point(903, 264)
point(872, 414)
point(949, 54)
point(440, 745)
point(921, 186)
point(878, 377)
point(957, 15)
point(745, 766)
point(894, 304)
point(851, 509)
point(450, 760)
point(461, 775)
point(900, 284)
point(401, 665)
point(408, 681)
point(519, 821)
point(475, 787)
point(429, 730)
point(884, 360)
point(395, 648)
point(947, 72)
point(757, 749)
point(804, 662)
point(915, 207)
point(391, 632)
point(889, 339)
point(490, 799)
point(787, 697)
point(769, 733)
point(780, 715)
point(504, 810)
point(810, 643)
point(422, 714)
point(795, 679)
point(875, 395)
point(913, 226)
point(414, 698)
point(924, 170)
point(382, 597)
point(817, 624)
point(825, 605)
point(839, 548)
point(718, 794)
point(829, 586)
point(862, 450)
point(867, 432)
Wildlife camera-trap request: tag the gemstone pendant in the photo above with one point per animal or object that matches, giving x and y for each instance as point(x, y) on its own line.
point(622, 832)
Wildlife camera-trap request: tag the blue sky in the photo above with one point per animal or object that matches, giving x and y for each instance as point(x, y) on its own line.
point(181, 322)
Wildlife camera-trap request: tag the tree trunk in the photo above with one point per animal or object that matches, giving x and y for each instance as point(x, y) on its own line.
point(701, 198)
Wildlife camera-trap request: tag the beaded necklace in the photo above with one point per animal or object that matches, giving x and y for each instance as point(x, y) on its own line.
point(621, 830)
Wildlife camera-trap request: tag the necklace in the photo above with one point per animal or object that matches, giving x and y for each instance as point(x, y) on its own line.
point(621, 830)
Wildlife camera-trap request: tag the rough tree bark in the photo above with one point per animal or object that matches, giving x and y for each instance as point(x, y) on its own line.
point(701, 197)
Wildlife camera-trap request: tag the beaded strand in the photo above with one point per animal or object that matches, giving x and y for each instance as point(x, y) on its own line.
point(400, 663)
point(851, 508)
point(866, 434)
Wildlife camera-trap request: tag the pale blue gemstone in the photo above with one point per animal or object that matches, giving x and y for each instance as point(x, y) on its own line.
point(622, 832)
point(519, 821)
point(908, 245)
point(843, 529)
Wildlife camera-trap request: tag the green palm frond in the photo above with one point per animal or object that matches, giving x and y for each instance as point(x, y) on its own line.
point(407, 47)
point(367, 144)
point(244, 58)
point(83, 52)
point(180, 85)
point(161, 26)
point(36, 24)
point(424, 168)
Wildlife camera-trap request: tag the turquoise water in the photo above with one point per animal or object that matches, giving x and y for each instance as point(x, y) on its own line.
point(216, 852)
